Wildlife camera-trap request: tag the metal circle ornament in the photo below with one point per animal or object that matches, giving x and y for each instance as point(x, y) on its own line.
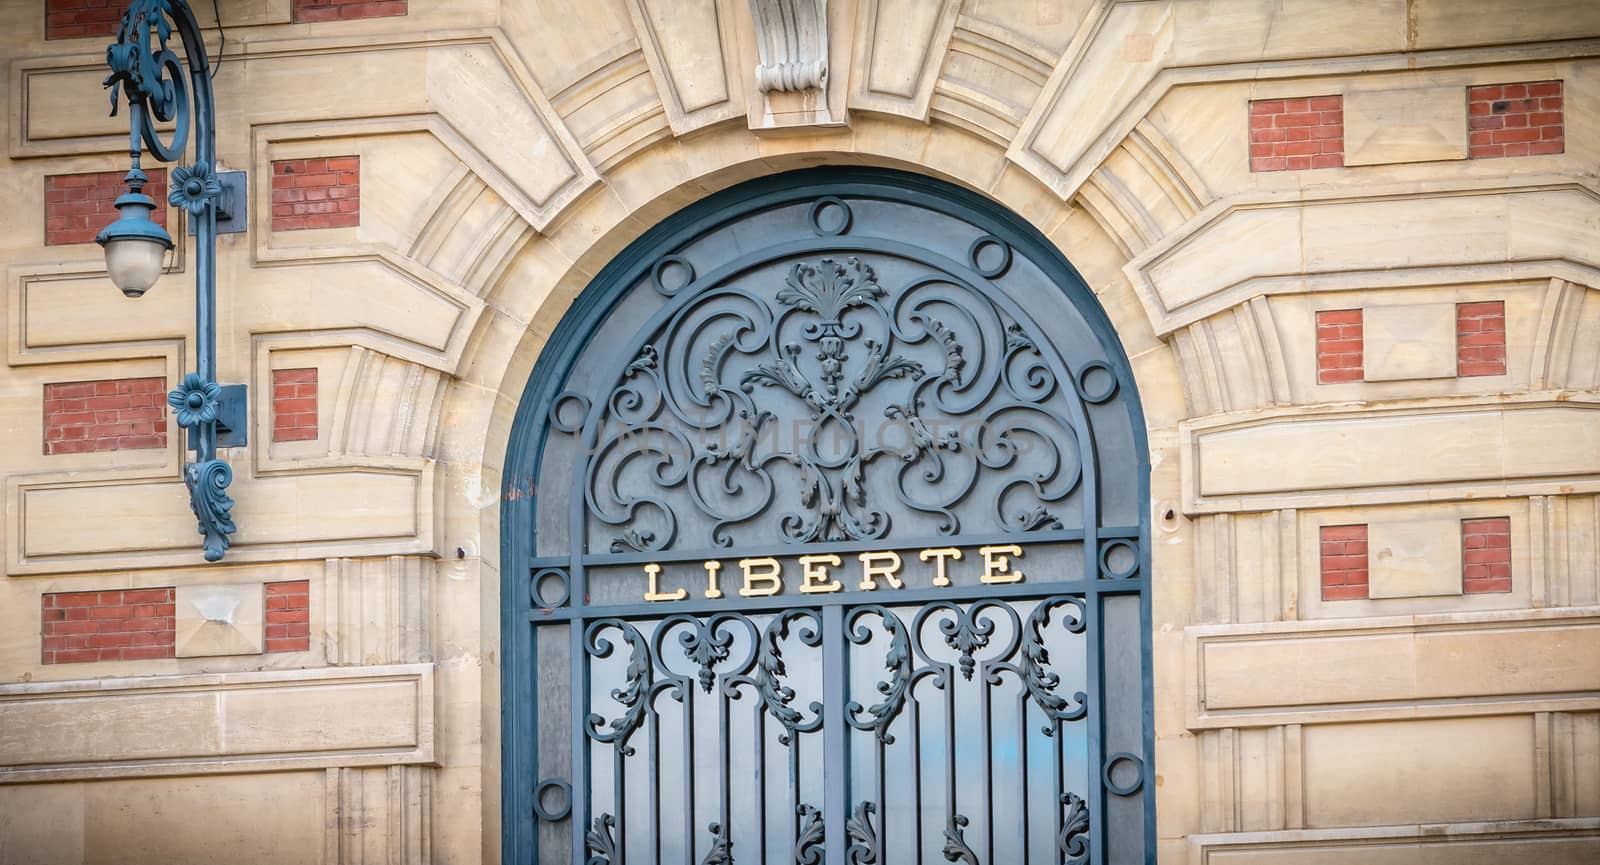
point(1108, 775)
point(830, 204)
point(549, 813)
point(543, 577)
point(991, 245)
point(1111, 549)
point(663, 267)
point(1084, 382)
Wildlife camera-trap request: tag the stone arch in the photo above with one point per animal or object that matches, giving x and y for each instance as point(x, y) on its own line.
point(540, 406)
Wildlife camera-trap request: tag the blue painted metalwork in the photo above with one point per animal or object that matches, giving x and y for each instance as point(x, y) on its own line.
point(829, 296)
point(158, 88)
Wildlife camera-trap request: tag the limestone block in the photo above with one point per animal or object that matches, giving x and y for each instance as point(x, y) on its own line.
point(1449, 23)
point(380, 512)
point(1414, 558)
point(899, 48)
point(693, 55)
point(1419, 124)
point(1409, 342)
point(1329, 458)
point(1419, 771)
point(219, 619)
point(253, 819)
point(202, 723)
point(1301, 672)
point(1547, 842)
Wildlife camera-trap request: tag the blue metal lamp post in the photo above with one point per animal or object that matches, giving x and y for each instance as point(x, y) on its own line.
point(158, 89)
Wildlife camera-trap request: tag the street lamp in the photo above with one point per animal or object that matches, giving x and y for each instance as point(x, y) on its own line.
point(158, 88)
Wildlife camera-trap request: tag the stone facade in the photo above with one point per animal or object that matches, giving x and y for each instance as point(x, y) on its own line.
point(1376, 626)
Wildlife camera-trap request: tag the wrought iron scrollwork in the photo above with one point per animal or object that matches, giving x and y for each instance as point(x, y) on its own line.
point(808, 841)
point(721, 852)
point(934, 377)
point(956, 848)
point(862, 834)
point(897, 660)
point(633, 694)
point(1034, 668)
point(1072, 842)
point(770, 671)
point(601, 841)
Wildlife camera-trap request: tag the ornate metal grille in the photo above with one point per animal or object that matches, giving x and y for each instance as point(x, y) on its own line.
point(837, 551)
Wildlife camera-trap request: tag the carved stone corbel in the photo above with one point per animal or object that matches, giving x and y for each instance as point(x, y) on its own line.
point(792, 77)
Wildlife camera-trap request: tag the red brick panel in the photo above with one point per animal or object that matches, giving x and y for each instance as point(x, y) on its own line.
point(1486, 555)
point(289, 616)
point(1515, 120)
point(1481, 338)
point(1296, 134)
point(345, 10)
point(125, 625)
point(109, 415)
point(316, 193)
point(1344, 562)
point(294, 404)
point(1339, 346)
point(71, 19)
point(77, 206)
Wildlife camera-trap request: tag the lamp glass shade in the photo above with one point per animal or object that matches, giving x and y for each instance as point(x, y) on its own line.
point(135, 246)
point(134, 263)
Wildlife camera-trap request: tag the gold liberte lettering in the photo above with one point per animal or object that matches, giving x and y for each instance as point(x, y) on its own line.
point(996, 564)
point(770, 577)
point(940, 555)
point(814, 577)
point(653, 572)
point(713, 590)
point(875, 565)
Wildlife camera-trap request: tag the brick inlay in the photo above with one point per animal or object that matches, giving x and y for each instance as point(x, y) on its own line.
point(345, 10)
point(294, 404)
point(1515, 120)
point(1339, 346)
point(1486, 555)
point(316, 193)
point(107, 415)
point(288, 608)
point(1344, 562)
point(1481, 338)
point(118, 625)
point(77, 206)
point(71, 19)
point(1296, 134)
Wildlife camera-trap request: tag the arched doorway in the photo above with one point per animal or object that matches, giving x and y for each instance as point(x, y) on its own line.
point(826, 541)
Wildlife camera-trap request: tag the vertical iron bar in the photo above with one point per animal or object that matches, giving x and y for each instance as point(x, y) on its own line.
point(654, 721)
point(579, 661)
point(688, 770)
point(1022, 774)
point(835, 740)
point(915, 716)
point(619, 781)
point(723, 757)
point(988, 761)
point(761, 780)
point(1096, 721)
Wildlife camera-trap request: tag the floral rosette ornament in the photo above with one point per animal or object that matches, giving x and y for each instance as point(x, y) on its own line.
point(195, 401)
point(193, 187)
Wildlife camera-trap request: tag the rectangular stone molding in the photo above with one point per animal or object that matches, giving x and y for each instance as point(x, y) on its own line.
point(1314, 458)
point(1418, 558)
point(1409, 341)
point(1416, 124)
point(207, 723)
point(900, 45)
point(1394, 667)
point(1547, 842)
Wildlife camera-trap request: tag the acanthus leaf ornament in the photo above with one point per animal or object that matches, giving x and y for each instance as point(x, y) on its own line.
point(601, 841)
point(1072, 842)
point(195, 401)
point(808, 841)
point(632, 695)
point(212, 506)
point(956, 848)
point(862, 834)
point(721, 852)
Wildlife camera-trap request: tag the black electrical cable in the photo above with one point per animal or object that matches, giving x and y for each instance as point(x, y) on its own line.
point(222, 35)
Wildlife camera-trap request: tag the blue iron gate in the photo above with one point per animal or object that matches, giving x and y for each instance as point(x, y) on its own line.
point(826, 541)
